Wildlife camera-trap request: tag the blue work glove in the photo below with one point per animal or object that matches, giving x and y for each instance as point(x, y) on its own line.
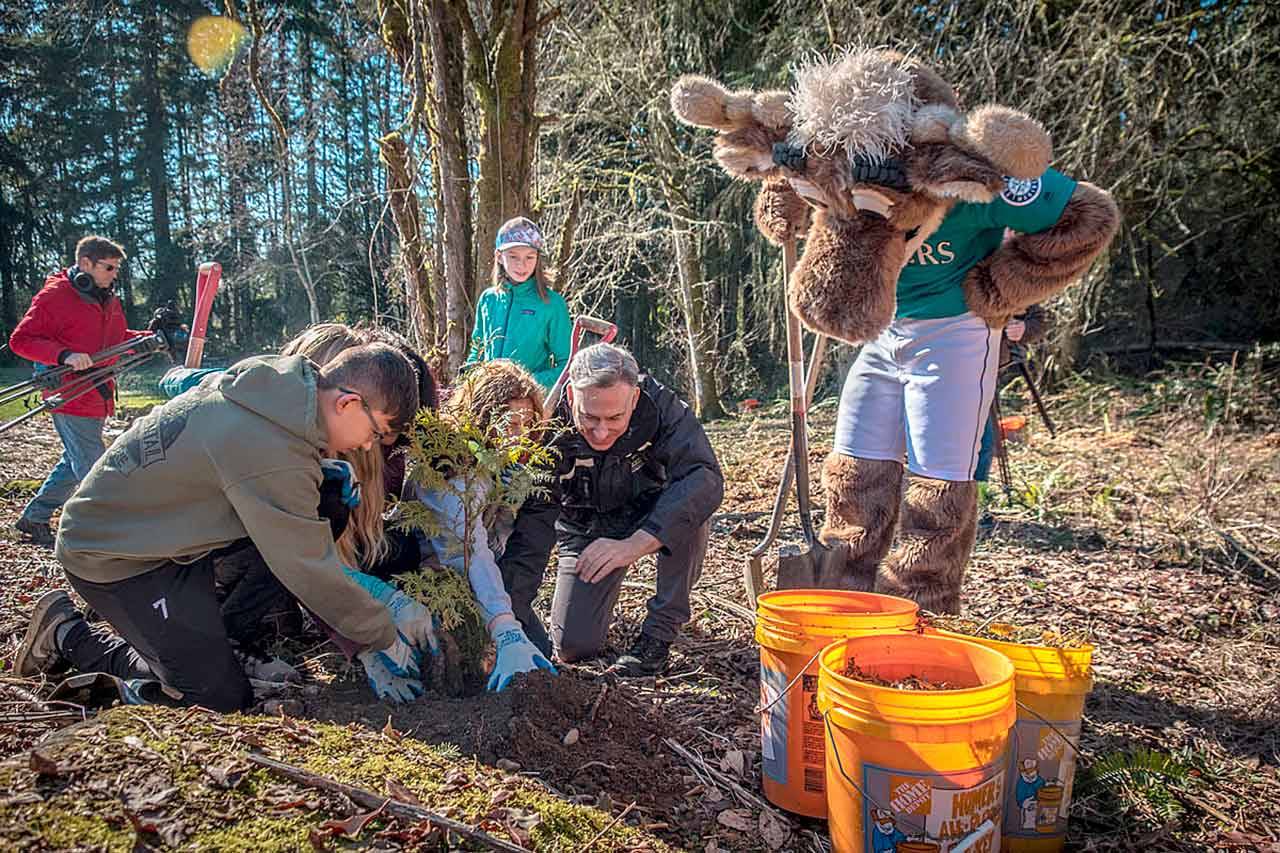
point(515, 654)
point(338, 471)
point(412, 620)
point(387, 685)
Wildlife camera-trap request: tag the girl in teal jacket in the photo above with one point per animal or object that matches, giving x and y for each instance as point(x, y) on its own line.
point(520, 318)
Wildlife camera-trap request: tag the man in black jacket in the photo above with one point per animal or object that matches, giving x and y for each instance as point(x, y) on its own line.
point(636, 476)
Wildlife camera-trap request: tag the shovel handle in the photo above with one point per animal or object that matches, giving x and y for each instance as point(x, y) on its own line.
point(789, 468)
point(799, 406)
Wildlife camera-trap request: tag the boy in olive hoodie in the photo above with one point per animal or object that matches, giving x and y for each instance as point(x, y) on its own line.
point(232, 458)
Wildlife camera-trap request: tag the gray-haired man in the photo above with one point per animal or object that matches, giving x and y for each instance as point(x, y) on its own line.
point(636, 476)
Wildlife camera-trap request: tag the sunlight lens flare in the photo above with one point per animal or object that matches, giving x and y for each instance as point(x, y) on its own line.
point(213, 42)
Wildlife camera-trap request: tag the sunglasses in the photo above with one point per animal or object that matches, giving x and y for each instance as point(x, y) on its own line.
point(109, 267)
point(378, 435)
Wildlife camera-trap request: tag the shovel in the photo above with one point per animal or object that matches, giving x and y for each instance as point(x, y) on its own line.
point(813, 565)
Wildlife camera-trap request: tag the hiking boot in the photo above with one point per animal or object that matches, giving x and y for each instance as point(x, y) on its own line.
point(260, 666)
point(40, 532)
point(39, 651)
point(647, 656)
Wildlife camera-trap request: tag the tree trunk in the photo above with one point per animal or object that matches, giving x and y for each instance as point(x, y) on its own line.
point(407, 215)
point(447, 110)
point(502, 71)
point(233, 96)
point(699, 329)
point(154, 142)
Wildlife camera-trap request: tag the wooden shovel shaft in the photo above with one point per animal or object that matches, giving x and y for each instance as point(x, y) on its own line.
point(799, 407)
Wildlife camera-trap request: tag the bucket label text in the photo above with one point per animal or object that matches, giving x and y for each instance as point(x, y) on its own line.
point(905, 812)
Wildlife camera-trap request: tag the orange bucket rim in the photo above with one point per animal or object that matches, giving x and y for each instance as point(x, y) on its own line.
point(842, 680)
point(775, 602)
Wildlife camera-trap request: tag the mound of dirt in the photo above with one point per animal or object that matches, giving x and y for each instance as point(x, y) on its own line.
point(582, 736)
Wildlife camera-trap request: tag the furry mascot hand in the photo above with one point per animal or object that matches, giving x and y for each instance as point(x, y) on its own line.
point(780, 213)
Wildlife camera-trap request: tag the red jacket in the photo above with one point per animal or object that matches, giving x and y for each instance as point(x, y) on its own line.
point(62, 320)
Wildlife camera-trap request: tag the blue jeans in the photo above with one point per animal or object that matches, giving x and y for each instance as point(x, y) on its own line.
point(81, 447)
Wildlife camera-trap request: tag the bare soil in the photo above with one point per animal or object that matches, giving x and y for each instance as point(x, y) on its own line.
point(1149, 525)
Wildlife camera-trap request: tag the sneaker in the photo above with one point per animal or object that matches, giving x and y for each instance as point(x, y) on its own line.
point(647, 656)
point(260, 666)
point(39, 651)
point(40, 532)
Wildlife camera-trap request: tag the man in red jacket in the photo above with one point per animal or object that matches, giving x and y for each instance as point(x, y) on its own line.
point(75, 315)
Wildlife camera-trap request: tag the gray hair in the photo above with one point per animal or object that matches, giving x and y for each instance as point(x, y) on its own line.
point(603, 366)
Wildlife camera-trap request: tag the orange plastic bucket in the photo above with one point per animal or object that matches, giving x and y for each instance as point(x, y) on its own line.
point(1052, 685)
point(915, 769)
point(792, 626)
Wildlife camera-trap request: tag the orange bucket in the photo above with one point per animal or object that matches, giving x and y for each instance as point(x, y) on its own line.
point(915, 767)
point(1051, 685)
point(792, 626)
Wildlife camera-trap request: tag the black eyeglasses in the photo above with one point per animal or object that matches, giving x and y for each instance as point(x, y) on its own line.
point(378, 435)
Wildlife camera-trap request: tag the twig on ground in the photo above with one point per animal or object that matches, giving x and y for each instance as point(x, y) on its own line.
point(610, 825)
point(373, 801)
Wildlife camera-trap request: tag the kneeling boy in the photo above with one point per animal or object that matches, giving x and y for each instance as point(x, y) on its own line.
point(233, 458)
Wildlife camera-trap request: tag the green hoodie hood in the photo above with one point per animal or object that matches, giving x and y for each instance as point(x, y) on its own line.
point(281, 389)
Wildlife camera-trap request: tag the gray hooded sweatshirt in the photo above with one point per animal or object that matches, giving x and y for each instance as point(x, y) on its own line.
point(236, 456)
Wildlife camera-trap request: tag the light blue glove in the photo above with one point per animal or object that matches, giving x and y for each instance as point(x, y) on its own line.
point(515, 654)
point(386, 685)
point(401, 657)
point(336, 470)
point(412, 620)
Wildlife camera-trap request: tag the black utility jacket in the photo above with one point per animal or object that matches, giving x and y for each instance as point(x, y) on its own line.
point(661, 476)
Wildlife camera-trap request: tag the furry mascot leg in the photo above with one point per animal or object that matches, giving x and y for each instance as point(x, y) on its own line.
point(938, 529)
point(863, 496)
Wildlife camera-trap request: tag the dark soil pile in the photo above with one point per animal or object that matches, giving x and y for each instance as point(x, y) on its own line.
point(617, 750)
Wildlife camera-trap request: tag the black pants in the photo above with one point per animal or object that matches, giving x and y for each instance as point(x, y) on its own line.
point(523, 586)
point(170, 628)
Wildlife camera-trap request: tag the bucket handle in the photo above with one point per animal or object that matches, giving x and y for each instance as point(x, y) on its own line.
point(985, 828)
point(760, 709)
point(1080, 751)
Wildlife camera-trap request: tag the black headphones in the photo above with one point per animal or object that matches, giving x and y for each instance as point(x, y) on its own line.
point(81, 280)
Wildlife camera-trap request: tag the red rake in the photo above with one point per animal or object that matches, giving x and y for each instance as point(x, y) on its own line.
point(581, 325)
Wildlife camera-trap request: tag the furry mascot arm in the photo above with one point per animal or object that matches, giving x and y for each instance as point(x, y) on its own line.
point(1032, 267)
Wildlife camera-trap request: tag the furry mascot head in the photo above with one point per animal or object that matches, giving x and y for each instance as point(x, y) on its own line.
point(864, 157)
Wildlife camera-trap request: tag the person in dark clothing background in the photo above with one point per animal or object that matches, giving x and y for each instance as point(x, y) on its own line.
point(636, 476)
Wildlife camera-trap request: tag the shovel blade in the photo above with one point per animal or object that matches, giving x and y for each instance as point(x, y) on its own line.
point(816, 567)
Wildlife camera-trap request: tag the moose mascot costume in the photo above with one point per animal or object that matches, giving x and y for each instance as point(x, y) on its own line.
point(926, 229)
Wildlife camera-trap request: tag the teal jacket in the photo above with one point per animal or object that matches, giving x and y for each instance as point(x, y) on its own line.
point(181, 379)
point(513, 322)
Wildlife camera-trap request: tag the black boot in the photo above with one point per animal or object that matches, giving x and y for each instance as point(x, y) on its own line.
point(647, 656)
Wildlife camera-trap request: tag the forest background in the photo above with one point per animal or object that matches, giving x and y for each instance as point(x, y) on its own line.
point(352, 159)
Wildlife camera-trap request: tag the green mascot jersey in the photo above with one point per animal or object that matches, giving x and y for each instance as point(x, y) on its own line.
point(513, 322)
point(930, 285)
